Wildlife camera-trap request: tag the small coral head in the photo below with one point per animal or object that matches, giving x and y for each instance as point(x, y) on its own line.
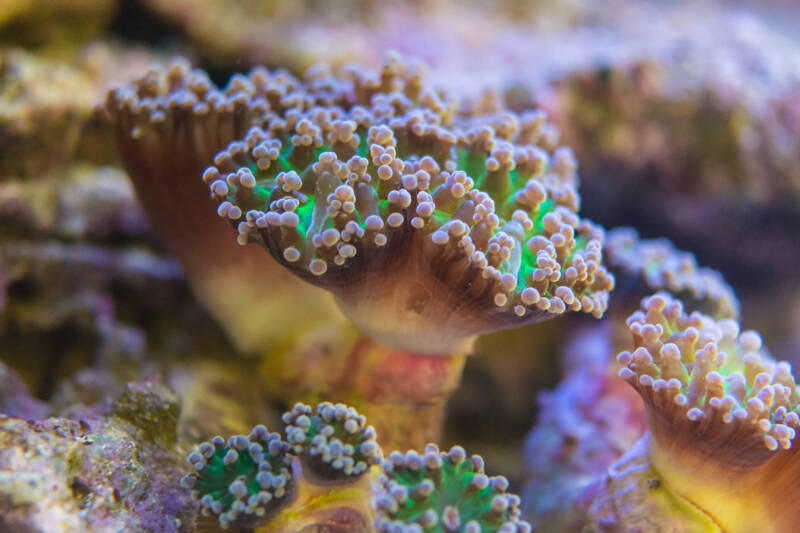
point(242, 481)
point(660, 266)
point(429, 226)
point(333, 441)
point(439, 492)
point(722, 414)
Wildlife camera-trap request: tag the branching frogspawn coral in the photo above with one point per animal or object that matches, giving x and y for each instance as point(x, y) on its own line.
point(168, 125)
point(429, 223)
point(443, 492)
point(721, 415)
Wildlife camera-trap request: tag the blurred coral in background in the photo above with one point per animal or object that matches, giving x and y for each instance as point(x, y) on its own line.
point(213, 210)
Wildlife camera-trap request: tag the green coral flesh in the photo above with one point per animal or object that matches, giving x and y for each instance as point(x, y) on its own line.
point(241, 481)
point(443, 493)
point(216, 477)
point(453, 489)
point(469, 160)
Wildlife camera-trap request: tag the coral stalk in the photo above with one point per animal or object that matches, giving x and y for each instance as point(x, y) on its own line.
point(403, 394)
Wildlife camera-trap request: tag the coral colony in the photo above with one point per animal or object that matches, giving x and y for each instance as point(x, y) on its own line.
point(318, 250)
point(429, 222)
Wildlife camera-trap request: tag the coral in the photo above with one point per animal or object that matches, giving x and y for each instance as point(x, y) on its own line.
point(721, 415)
point(366, 184)
point(337, 363)
point(662, 267)
point(584, 426)
point(443, 492)
point(710, 372)
point(333, 440)
point(243, 481)
point(632, 497)
point(370, 186)
point(405, 213)
point(252, 481)
point(168, 125)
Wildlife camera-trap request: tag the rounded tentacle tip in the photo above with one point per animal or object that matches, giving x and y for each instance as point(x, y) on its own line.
point(661, 267)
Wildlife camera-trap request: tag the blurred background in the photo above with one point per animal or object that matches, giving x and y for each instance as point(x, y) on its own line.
point(684, 117)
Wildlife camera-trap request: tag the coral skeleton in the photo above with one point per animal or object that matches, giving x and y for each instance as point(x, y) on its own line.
point(429, 222)
point(443, 492)
point(332, 440)
point(243, 481)
point(722, 415)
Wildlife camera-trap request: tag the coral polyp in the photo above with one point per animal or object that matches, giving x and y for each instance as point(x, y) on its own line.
point(444, 492)
point(722, 416)
point(334, 441)
point(693, 369)
point(430, 224)
point(243, 481)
